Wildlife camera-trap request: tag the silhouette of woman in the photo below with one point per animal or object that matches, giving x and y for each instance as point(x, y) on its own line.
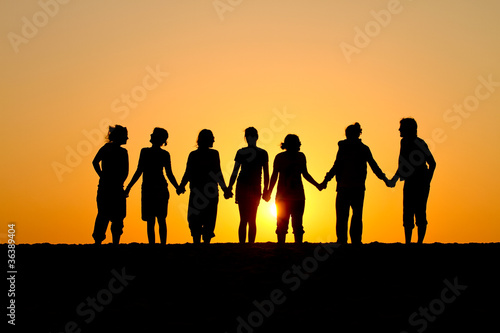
point(253, 161)
point(416, 167)
point(204, 174)
point(290, 166)
point(111, 164)
point(155, 193)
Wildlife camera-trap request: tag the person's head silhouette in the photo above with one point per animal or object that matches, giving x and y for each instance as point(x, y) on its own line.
point(251, 136)
point(117, 134)
point(206, 139)
point(352, 132)
point(291, 143)
point(159, 137)
point(408, 128)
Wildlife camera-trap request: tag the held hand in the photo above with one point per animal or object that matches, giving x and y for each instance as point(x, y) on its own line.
point(228, 193)
point(391, 183)
point(180, 190)
point(266, 196)
point(322, 186)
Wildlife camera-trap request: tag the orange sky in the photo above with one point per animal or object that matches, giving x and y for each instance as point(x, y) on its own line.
point(304, 67)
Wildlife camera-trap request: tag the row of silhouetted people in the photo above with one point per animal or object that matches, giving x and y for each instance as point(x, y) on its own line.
point(251, 175)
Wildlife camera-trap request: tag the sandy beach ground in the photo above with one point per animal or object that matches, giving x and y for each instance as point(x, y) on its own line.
point(257, 288)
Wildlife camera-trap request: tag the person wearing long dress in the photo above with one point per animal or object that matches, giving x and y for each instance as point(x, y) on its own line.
point(203, 172)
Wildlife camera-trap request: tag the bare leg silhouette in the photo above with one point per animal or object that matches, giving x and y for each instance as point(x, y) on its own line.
point(421, 233)
point(408, 232)
point(162, 229)
point(151, 231)
point(248, 216)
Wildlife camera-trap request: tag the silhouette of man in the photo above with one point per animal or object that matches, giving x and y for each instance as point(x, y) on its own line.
point(350, 170)
point(416, 167)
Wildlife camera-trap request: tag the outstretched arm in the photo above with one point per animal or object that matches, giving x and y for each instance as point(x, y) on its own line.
point(232, 180)
point(308, 177)
point(333, 171)
point(376, 169)
point(266, 176)
point(311, 180)
point(219, 178)
point(170, 175)
point(135, 177)
point(329, 175)
point(185, 178)
point(274, 177)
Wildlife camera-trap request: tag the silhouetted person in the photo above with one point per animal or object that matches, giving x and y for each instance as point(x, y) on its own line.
point(290, 166)
point(350, 169)
point(204, 174)
point(155, 195)
point(111, 164)
point(416, 167)
point(253, 161)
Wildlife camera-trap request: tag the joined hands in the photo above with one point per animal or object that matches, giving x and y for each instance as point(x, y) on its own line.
point(228, 193)
point(266, 196)
point(391, 182)
point(321, 186)
point(180, 190)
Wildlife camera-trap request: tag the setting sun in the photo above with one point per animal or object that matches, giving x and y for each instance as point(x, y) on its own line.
point(272, 209)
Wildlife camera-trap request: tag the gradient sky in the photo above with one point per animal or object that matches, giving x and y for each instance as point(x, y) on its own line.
point(284, 66)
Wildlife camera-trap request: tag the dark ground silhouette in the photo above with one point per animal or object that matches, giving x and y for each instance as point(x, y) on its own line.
point(188, 288)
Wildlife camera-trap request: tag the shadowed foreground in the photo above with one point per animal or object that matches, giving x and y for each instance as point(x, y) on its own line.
point(257, 288)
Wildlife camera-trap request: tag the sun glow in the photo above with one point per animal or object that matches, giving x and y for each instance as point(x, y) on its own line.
point(272, 208)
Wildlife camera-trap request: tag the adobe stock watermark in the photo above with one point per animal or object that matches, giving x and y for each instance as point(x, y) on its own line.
point(420, 319)
point(373, 28)
point(89, 308)
point(277, 124)
point(121, 106)
point(453, 116)
point(30, 26)
point(292, 279)
point(223, 6)
point(484, 89)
